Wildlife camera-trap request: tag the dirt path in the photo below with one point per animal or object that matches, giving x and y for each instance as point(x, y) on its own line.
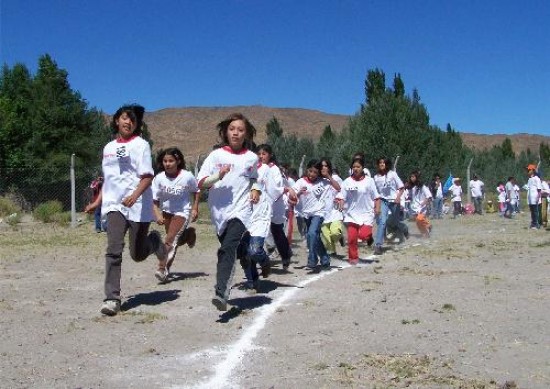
point(466, 309)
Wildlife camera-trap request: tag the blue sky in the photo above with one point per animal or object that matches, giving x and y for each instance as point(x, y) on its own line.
point(483, 66)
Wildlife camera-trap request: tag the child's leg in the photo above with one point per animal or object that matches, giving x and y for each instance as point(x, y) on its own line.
point(335, 232)
point(227, 254)
point(175, 227)
point(326, 238)
point(365, 233)
point(113, 256)
point(281, 241)
point(353, 252)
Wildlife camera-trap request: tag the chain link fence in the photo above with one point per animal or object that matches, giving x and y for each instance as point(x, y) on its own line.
point(31, 186)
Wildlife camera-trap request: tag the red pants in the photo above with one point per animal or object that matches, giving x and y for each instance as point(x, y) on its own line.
point(356, 231)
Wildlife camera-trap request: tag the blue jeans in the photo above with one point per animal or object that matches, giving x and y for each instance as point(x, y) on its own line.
point(97, 218)
point(255, 255)
point(437, 208)
point(315, 246)
point(391, 221)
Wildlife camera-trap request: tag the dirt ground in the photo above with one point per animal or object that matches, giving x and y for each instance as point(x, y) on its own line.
point(467, 308)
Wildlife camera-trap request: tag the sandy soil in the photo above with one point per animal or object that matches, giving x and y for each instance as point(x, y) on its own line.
point(467, 308)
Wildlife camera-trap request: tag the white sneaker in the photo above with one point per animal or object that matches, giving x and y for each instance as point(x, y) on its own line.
point(162, 275)
point(110, 307)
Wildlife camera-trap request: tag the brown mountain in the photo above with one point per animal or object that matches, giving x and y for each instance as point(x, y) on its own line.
point(193, 129)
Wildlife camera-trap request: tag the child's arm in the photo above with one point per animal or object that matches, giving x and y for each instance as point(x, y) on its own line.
point(144, 183)
point(90, 208)
point(159, 217)
point(195, 208)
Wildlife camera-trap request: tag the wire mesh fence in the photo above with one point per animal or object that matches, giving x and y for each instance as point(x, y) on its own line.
point(31, 186)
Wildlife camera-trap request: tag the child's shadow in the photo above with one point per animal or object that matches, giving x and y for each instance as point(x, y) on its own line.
point(242, 304)
point(267, 286)
point(178, 276)
point(150, 298)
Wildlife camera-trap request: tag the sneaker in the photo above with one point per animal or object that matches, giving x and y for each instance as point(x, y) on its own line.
point(378, 250)
point(325, 267)
point(110, 307)
point(162, 275)
point(220, 303)
point(286, 264)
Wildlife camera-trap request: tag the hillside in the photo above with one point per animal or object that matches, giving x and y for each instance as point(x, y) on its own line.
point(193, 129)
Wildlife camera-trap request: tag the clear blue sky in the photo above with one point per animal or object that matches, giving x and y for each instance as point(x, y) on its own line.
point(483, 66)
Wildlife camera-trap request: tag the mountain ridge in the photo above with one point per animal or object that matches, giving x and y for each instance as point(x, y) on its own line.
point(193, 129)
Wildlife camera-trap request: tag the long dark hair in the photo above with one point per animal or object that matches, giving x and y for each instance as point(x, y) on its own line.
point(174, 152)
point(135, 112)
point(268, 149)
point(387, 162)
point(250, 130)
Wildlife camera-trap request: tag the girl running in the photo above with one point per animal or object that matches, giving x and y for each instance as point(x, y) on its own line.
point(173, 207)
point(331, 230)
point(126, 200)
point(420, 200)
point(276, 186)
point(390, 187)
point(230, 174)
point(312, 193)
point(361, 201)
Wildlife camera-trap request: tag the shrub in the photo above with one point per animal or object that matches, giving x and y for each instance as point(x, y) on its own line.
point(63, 218)
point(8, 207)
point(46, 212)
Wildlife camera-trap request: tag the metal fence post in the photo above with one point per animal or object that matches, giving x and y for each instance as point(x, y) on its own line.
point(73, 194)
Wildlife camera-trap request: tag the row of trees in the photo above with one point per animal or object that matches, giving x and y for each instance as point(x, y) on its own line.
point(43, 122)
point(391, 123)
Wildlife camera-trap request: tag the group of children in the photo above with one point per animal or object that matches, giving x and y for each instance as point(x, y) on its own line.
point(248, 199)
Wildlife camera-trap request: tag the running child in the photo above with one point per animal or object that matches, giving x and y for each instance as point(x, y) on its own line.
point(331, 229)
point(230, 173)
point(126, 200)
point(420, 200)
point(172, 191)
point(276, 187)
point(390, 187)
point(361, 202)
point(311, 191)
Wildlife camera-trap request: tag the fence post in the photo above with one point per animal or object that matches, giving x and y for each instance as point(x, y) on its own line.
point(73, 194)
point(468, 181)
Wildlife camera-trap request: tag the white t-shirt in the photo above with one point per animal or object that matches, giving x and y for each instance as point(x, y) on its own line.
point(124, 163)
point(229, 198)
point(260, 221)
point(501, 190)
point(275, 188)
point(359, 196)
point(533, 187)
point(439, 191)
point(476, 188)
point(312, 200)
point(419, 197)
point(173, 192)
point(388, 185)
point(456, 192)
point(332, 213)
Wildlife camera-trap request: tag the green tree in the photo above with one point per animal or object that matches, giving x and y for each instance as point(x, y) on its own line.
point(273, 130)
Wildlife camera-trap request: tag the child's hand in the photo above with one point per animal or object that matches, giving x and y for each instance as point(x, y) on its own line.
point(292, 197)
point(254, 196)
point(160, 221)
point(90, 208)
point(224, 170)
point(194, 215)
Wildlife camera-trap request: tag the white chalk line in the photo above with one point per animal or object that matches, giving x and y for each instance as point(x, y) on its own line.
point(236, 351)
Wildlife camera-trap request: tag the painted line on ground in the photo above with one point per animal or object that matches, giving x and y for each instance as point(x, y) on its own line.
point(236, 351)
